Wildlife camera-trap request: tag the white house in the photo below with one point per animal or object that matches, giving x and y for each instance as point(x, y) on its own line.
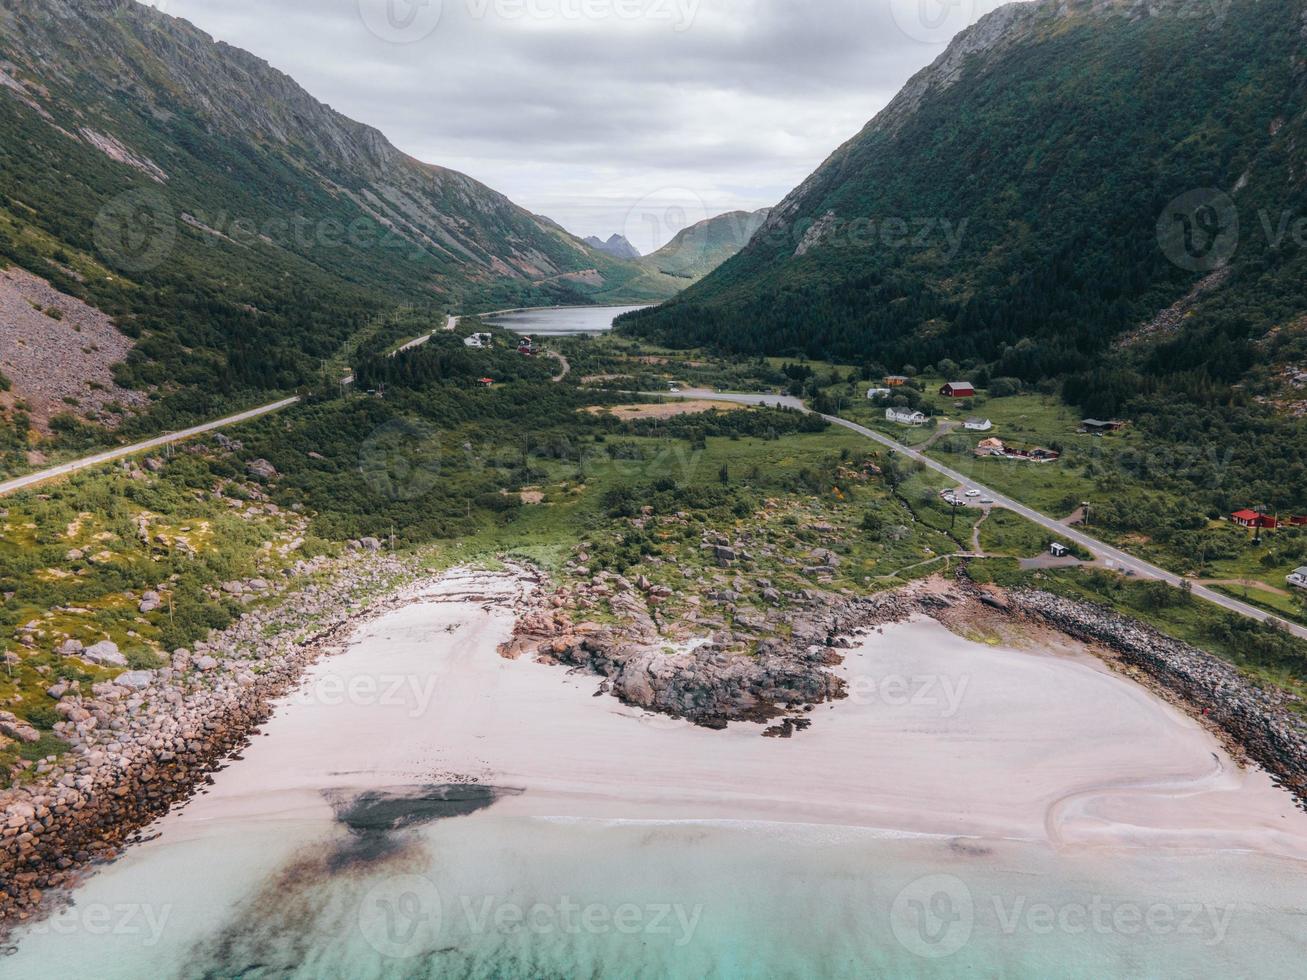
point(878, 392)
point(978, 425)
point(479, 340)
point(904, 416)
point(1298, 577)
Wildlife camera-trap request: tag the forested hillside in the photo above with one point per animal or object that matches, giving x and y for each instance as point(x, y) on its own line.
point(1030, 203)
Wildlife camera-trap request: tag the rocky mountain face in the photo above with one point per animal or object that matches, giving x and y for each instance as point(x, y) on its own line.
point(235, 228)
point(1062, 173)
point(617, 246)
point(121, 77)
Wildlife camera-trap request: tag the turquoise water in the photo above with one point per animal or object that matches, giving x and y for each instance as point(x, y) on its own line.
point(562, 321)
point(489, 896)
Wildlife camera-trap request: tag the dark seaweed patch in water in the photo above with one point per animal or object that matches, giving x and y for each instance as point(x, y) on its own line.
point(374, 817)
point(382, 811)
point(280, 928)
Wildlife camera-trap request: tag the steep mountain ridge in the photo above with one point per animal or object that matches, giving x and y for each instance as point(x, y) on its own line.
point(1011, 197)
point(238, 231)
point(130, 69)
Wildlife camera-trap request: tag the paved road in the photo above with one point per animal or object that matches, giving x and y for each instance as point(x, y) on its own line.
point(1102, 550)
point(1099, 548)
point(109, 456)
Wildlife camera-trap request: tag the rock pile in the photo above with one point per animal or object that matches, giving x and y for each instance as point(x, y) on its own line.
point(147, 739)
point(748, 673)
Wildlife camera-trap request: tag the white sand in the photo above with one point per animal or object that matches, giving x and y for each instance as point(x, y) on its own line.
point(942, 736)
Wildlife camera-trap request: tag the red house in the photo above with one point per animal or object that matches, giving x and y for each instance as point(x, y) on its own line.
point(958, 389)
point(1250, 518)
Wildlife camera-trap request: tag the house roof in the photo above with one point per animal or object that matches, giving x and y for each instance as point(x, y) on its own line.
point(1246, 515)
point(1301, 571)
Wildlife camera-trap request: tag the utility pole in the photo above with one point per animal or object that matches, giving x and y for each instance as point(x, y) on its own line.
point(1085, 504)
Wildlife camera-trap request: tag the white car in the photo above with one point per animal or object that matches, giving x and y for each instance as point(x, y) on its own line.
point(973, 493)
point(986, 500)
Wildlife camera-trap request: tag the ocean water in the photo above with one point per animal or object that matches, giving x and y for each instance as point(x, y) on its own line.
point(485, 896)
point(424, 808)
point(562, 321)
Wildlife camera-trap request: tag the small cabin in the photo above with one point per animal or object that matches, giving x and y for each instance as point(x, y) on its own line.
point(978, 425)
point(958, 389)
point(1251, 518)
point(1058, 550)
point(896, 380)
point(1297, 578)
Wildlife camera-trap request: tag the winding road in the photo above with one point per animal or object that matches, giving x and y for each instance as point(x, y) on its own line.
point(1123, 560)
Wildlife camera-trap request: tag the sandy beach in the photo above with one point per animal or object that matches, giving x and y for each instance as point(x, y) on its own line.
point(943, 740)
point(940, 736)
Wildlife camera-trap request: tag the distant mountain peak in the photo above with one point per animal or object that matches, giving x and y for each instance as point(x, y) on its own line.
point(617, 246)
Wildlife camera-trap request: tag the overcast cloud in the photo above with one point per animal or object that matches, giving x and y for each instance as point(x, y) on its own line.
point(632, 116)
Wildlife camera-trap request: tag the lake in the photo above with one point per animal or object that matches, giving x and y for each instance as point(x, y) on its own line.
point(561, 321)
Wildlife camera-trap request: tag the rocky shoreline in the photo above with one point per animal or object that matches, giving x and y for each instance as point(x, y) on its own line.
point(151, 739)
point(706, 680)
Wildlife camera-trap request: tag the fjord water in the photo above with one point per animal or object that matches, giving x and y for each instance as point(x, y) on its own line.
point(424, 807)
point(561, 321)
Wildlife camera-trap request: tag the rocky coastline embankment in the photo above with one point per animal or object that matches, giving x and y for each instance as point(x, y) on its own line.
point(148, 740)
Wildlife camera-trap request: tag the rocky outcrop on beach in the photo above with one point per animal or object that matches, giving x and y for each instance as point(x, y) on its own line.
point(770, 663)
point(146, 740)
point(1259, 720)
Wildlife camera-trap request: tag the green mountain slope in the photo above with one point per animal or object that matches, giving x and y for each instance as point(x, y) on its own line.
point(239, 229)
point(693, 253)
point(1062, 173)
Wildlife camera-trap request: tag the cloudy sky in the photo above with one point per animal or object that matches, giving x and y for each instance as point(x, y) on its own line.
point(631, 116)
